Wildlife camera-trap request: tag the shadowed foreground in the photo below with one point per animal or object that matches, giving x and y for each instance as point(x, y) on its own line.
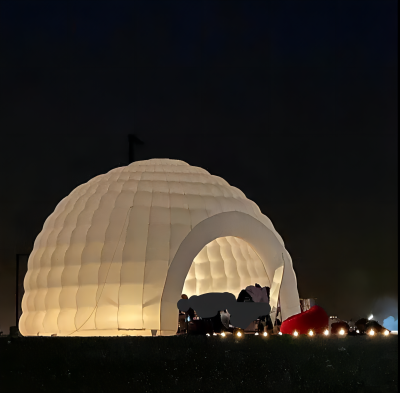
point(199, 363)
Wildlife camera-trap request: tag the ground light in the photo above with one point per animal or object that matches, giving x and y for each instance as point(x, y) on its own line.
point(280, 333)
point(295, 333)
point(223, 334)
point(208, 334)
point(214, 334)
point(239, 334)
point(265, 334)
point(326, 332)
point(256, 333)
point(371, 332)
point(341, 332)
point(357, 331)
point(386, 332)
point(310, 333)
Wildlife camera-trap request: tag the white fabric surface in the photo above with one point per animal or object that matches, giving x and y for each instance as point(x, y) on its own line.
point(113, 257)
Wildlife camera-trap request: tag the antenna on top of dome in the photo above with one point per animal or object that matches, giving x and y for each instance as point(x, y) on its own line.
point(133, 139)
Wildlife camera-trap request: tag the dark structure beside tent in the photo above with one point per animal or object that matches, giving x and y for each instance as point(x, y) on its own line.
point(336, 327)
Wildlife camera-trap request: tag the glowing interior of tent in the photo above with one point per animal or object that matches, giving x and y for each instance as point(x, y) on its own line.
point(227, 264)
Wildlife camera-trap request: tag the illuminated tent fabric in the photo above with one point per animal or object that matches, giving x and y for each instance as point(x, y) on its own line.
point(113, 257)
point(227, 264)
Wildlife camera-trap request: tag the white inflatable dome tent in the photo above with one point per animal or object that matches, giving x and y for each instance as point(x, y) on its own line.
point(117, 253)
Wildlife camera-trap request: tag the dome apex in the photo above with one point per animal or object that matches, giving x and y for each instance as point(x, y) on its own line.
point(159, 161)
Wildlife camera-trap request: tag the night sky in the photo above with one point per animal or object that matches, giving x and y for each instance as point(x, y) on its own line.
point(293, 102)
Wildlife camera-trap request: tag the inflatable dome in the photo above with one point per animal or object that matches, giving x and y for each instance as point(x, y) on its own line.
point(115, 255)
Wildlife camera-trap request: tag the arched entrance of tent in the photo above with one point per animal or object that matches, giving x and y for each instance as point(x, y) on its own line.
point(227, 264)
point(241, 225)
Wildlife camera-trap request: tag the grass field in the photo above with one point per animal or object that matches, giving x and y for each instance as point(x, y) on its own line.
point(199, 364)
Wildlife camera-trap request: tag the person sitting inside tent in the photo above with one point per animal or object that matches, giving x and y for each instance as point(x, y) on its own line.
point(244, 296)
point(255, 293)
point(258, 294)
point(185, 317)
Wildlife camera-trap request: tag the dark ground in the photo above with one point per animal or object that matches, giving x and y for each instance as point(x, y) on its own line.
point(199, 363)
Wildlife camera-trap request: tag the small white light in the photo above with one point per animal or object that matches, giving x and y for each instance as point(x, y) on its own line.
point(326, 332)
point(256, 333)
point(341, 332)
point(310, 333)
point(370, 317)
point(280, 333)
point(295, 333)
point(208, 334)
point(265, 334)
point(371, 332)
point(223, 334)
point(357, 331)
point(239, 334)
point(214, 334)
point(386, 332)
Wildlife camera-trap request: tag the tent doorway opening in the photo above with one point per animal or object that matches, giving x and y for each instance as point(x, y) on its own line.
point(226, 264)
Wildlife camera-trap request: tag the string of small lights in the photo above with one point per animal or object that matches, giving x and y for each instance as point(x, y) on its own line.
point(310, 333)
